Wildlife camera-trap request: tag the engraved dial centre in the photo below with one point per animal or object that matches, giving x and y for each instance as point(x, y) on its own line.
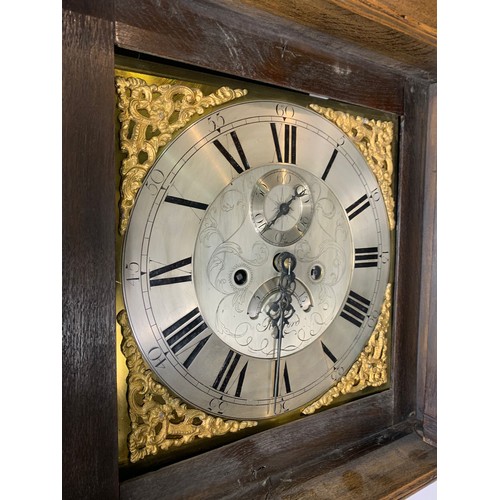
point(234, 268)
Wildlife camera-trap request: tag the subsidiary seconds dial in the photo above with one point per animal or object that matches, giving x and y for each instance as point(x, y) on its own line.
point(281, 207)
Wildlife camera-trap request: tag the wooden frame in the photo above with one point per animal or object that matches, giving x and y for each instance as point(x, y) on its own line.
point(249, 43)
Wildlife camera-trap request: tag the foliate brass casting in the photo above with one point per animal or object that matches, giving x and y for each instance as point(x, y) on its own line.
point(159, 420)
point(149, 115)
point(374, 140)
point(370, 369)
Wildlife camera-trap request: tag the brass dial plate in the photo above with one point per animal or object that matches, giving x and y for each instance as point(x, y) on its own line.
point(159, 271)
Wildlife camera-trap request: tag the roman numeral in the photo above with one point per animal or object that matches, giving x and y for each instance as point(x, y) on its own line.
point(186, 203)
point(355, 309)
point(195, 352)
point(330, 163)
point(229, 157)
point(286, 380)
point(184, 331)
point(366, 257)
point(226, 372)
point(168, 268)
point(328, 353)
point(357, 207)
point(290, 144)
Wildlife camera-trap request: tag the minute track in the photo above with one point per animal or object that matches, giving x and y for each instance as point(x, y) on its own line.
point(196, 291)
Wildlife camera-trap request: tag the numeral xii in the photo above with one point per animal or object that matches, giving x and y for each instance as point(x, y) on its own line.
point(287, 154)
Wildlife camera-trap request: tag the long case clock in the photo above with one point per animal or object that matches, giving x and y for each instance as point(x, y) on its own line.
point(375, 81)
point(215, 188)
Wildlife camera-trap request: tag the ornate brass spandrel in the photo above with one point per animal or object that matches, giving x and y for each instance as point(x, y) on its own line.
point(374, 140)
point(149, 115)
point(159, 420)
point(370, 369)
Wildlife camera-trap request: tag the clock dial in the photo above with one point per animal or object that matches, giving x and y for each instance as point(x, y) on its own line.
point(235, 270)
point(256, 260)
point(281, 206)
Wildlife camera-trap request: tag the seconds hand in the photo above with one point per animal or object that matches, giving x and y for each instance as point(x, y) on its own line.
point(284, 207)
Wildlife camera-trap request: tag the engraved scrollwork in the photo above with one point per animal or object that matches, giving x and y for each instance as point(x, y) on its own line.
point(374, 140)
point(158, 419)
point(370, 369)
point(149, 116)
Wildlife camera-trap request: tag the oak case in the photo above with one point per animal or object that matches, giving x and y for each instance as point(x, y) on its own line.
point(90, 456)
point(375, 139)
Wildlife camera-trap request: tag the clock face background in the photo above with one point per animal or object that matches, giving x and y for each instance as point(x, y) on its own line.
point(226, 197)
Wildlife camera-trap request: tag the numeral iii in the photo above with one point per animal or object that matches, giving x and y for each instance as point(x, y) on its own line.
point(366, 257)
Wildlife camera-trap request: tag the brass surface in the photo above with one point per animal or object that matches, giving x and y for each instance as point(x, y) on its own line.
point(374, 140)
point(150, 113)
point(370, 369)
point(158, 419)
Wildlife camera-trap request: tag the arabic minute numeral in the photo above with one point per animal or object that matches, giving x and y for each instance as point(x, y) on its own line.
point(157, 357)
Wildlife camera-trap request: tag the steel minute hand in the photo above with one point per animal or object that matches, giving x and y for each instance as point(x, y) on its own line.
point(281, 310)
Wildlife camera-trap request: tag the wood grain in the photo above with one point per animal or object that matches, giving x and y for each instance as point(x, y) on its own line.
point(397, 470)
point(89, 451)
point(93, 8)
point(428, 308)
point(236, 39)
point(410, 233)
point(417, 19)
point(259, 46)
point(293, 452)
point(392, 34)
